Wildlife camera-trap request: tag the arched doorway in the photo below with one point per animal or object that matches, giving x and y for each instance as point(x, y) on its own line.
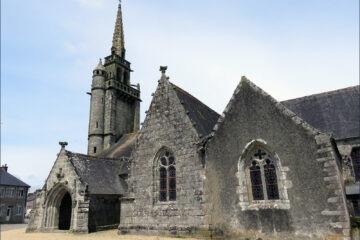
point(65, 212)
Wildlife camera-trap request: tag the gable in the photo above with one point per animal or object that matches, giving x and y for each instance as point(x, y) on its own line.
point(301, 151)
point(336, 112)
point(248, 97)
point(169, 97)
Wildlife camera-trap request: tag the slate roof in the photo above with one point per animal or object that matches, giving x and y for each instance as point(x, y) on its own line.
point(203, 117)
point(336, 112)
point(101, 174)
point(9, 180)
point(122, 148)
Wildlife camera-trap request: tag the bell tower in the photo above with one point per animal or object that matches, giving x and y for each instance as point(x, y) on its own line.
point(115, 103)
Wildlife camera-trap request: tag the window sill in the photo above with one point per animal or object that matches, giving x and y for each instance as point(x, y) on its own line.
point(265, 204)
point(166, 203)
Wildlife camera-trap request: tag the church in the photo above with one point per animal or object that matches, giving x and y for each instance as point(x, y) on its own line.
point(261, 168)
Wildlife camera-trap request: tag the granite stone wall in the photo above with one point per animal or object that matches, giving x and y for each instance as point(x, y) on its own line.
point(166, 126)
point(62, 179)
point(315, 194)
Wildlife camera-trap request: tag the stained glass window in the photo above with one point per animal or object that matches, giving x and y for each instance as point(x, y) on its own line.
point(163, 184)
point(167, 171)
point(263, 178)
point(172, 183)
point(271, 180)
point(256, 182)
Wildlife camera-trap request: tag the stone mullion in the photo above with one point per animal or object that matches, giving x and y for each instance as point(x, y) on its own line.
point(263, 181)
point(167, 184)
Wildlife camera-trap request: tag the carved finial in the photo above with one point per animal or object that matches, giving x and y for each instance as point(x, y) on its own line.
point(163, 71)
point(63, 144)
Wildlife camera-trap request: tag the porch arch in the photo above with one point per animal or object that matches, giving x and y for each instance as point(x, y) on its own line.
point(58, 203)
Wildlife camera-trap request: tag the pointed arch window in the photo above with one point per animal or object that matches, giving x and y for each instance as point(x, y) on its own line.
point(263, 181)
point(167, 177)
point(263, 176)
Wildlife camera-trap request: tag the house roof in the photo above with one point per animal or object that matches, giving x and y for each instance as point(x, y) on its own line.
point(336, 112)
point(9, 180)
point(122, 148)
point(203, 117)
point(101, 174)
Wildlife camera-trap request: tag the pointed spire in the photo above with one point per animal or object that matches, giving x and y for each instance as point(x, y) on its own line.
point(118, 45)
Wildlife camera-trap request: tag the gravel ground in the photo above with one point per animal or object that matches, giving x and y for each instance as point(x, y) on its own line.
point(17, 232)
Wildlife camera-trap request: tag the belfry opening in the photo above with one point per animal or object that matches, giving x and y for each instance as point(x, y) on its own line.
point(65, 212)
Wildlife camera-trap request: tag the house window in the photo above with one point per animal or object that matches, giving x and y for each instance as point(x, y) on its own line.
point(21, 193)
point(2, 210)
point(94, 149)
point(8, 212)
point(263, 177)
point(9, 192)
point(355, 158)
point(18, 210)
point(97, 124)
point(167, 177)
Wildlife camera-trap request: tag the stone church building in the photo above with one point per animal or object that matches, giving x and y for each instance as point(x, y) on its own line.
point(263, 167)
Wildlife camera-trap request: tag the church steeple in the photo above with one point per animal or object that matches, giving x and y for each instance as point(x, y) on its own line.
point(118, 45)
point(115, 102)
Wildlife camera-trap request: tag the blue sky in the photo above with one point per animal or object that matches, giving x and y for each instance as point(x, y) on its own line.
point(289, 48)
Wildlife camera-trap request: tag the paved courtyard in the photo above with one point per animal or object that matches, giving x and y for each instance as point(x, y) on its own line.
point(17, 232)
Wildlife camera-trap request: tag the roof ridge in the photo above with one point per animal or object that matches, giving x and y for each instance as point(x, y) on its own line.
point(341, 90)
point(189, 94)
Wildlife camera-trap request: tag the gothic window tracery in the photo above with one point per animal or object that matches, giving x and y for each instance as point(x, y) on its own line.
point(263, 176)
point(167, 177)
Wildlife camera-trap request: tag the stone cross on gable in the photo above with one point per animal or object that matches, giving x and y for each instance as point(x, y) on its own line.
point(260, 154)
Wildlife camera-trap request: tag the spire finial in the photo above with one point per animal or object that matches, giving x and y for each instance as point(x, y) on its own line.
point(118, 45)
